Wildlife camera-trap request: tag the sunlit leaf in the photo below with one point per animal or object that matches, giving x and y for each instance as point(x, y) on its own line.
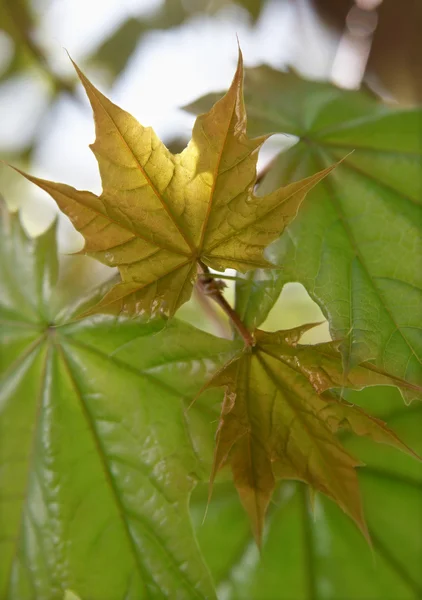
point(161, 215)
point(356, 246)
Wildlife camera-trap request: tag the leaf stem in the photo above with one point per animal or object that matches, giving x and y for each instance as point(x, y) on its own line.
point(221, 326)
point(229, 277)
point(211, 287)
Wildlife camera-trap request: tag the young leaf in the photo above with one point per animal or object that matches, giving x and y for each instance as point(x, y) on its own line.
point(356, 246)
point(276, 422)
point(160, 214)
point(98, 454)
point(306, 556)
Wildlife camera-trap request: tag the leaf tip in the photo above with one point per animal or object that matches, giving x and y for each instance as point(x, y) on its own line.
point(255, 503)
point(238, 76)
point(239, 50)
point(68, 55)
point(89, 88)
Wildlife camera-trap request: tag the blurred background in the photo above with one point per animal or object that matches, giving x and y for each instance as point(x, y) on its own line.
point(152, 57)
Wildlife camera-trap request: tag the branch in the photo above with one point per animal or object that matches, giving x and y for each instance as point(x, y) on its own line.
point(212, 288)
point(222, 327)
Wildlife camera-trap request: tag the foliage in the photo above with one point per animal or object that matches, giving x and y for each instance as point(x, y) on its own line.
point(310, 550)
point(160, 215)
point(277, 422)
point(102, 442)
point(357, 245)
point(97, 449)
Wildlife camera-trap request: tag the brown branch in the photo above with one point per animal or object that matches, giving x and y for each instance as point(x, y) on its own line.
point(212, 288)
point(221, 326)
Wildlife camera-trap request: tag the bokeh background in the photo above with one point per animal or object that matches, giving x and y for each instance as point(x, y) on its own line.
point(152, 57)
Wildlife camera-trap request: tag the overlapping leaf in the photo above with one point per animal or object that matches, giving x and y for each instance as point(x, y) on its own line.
point(97, 454)
point(161, 214)
point(120, 387)
point(276, 422)
point(319, 554)
point(356, 246)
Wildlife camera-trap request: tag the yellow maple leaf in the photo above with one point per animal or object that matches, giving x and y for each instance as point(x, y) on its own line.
point(160, 216)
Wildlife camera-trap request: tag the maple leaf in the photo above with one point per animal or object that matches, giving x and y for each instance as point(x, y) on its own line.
point(348, 247)
point(279, 422)
point(161, 215)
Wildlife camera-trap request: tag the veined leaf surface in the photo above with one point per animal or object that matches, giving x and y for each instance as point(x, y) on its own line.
point(278, 422)
point(98, 454)
point(319, 554)
point(161, 215)
point(357, 243)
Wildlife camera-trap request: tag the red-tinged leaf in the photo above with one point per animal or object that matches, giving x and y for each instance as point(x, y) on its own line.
point(277, 422)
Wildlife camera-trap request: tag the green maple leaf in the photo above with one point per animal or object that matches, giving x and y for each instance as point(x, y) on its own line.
point(278, 422)
point(98, 456)
point(356, 245)
point(160, 215)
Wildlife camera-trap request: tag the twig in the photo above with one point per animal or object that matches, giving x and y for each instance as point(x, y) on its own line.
point(211, 287)
point(221, 326)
